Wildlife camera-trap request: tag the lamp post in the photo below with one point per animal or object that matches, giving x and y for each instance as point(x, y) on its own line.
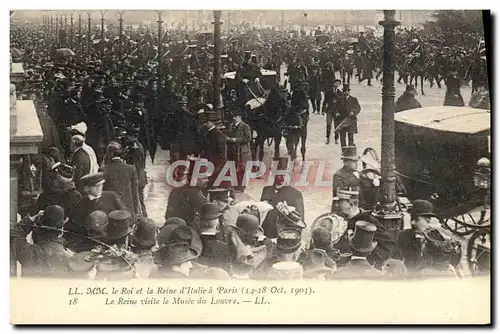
point(80, 31)
point(387, 211)
point(51, 30)
point(71, 31)
point(217, 64)
point(160, 51)
point(57, 29)
point(89, 38)
point(120, 36)
point(102, 32)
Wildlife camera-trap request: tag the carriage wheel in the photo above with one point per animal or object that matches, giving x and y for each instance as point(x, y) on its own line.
point(478, 252)
point(467, 223)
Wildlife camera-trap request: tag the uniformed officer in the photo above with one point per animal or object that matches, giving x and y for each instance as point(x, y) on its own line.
point(239, 137)
point(331, 106)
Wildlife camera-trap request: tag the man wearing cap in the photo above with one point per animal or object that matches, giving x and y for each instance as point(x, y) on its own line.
point(361, 245)
point(348, 207)
point(279, 192)
point(407, 101)
point(94, 198)
point(347, 176)
point(349, 108)
point(239, 137)
point(331, 104)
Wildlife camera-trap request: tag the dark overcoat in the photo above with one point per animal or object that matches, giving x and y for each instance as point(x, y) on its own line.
point(122, 179)
point(348, 106)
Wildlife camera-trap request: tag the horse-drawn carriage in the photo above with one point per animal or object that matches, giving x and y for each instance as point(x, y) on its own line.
point(268, 79)
point(437, 150)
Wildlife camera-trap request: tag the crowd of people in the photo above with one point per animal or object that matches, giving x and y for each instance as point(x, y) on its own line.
point(105, 105)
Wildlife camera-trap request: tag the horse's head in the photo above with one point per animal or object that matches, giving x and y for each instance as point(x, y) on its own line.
point(278, 100)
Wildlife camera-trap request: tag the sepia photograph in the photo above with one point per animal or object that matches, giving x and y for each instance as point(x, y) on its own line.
point(249, 159)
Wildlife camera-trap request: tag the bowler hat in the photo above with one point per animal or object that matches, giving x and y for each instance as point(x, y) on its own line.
point(288, 241)
point(337, 80)
point(362, 240)
point(53, 216)
point(422, 208)
point(346, 88)
point(209, 211)
point(177, 244)
point(91, 179)
point(349, 153)
point(95, 224)
point(145, 233)
point(250, 224)
point(174, 221)
point(119, 224)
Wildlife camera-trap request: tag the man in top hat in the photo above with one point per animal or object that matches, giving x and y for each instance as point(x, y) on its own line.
point(215, 252)
point(94, 198)
point(407, 101)
point(362, 245)
point(349, 108)
point(214, 148)
point(239, 138)
point(279, 192)
point(121, 178)
point(347, 176)
point(331, 105)
point(135, 155)
point(143, 240)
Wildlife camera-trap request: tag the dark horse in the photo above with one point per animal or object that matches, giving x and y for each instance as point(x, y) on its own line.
point(266, 121)
point(296, 120)
point(416, 68)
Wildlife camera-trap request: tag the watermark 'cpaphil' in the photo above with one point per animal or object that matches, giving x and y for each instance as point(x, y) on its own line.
point(203, 169)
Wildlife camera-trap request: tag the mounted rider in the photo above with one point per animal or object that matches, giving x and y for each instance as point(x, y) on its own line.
point(246, 76)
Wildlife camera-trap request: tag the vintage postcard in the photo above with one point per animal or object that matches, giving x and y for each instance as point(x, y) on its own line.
point(278, 166)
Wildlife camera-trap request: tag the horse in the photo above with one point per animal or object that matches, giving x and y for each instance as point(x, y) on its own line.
point(266, 121)
point(416, 69)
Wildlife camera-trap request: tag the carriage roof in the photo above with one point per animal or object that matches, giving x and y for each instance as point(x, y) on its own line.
point(447, 119)
point(232, 75)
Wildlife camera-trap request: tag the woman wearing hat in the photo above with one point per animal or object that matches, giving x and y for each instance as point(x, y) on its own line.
point(420, 245)
point(178, 248)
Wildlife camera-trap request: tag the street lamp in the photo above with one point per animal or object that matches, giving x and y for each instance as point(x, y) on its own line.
point(71, 31)
point(120, 38)
point(387, 211)
point(80, 31)
point(89, 38)
point(102, 32)
point(217, 64)
point(160, 52)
